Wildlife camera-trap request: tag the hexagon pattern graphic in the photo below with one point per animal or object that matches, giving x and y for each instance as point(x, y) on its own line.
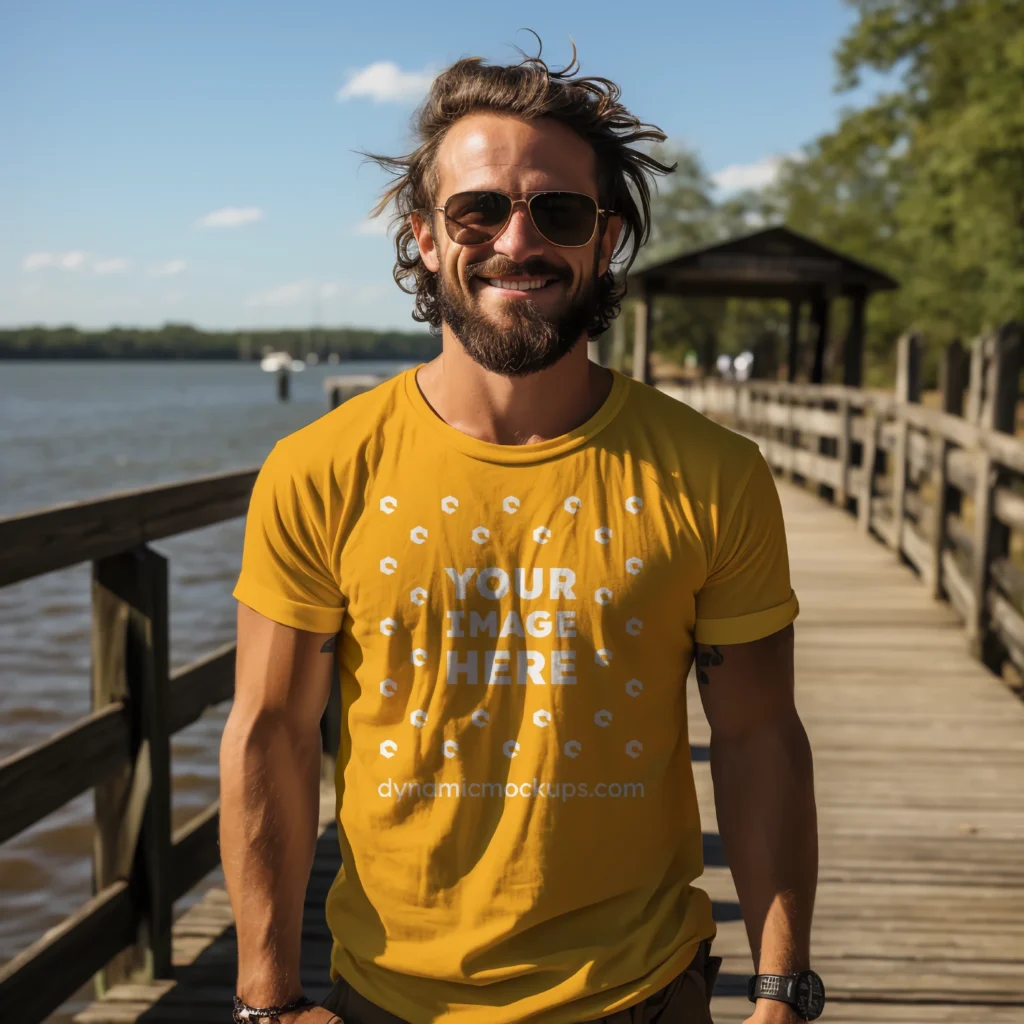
point(388, 504)
point(542, 718)
point(388, 565)
point(418, 535)
point(634, 503)
point(388, 626)
point(634, 748)
point(418, 718)
point(603, 718)
point(603, 535)
point(418, 596)
point(419, 657)
point(389, 748)
point(542, 535)
point(633, 626)
point(602, 656)
point(634, 687)
point(572, 505)
point(634, 565)
point(480, 535)
point(572, 748)
point(388, 687)
point(603, 596)
point(449, 505)
point(511, 504)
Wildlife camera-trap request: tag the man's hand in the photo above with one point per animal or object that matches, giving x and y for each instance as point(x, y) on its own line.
point(314, 1015)
point(771, 1011)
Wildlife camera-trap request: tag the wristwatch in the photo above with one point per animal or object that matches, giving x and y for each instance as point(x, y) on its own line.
point(804, 992)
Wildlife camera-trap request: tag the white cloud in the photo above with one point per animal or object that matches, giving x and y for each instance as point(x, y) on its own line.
point(169, 269)
point(231, 217)
point(282, 295)
point(116, 266)
point(372, 226)
point(60, 260)
point(329, 290)
point(737, 177)
point(385, 82)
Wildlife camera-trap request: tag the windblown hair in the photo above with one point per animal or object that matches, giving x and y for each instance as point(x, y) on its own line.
point(528, 90)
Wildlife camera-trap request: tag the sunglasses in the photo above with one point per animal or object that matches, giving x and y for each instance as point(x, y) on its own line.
point(567, 219)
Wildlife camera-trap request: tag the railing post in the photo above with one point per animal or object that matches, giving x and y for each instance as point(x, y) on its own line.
point(952, 380)
point(908, 390)
point(992, 538)
point(133, 811)
point(869, 456)
point(842, 494)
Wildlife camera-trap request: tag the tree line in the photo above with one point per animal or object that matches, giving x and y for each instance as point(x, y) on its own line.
point(183, 341)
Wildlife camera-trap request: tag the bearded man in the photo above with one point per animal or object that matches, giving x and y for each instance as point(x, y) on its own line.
point(518, 555)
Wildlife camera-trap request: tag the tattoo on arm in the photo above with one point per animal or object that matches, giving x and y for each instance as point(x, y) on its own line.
point(707, 657)
point(330, 646)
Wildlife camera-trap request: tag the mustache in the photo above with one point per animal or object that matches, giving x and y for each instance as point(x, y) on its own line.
point(498, 266)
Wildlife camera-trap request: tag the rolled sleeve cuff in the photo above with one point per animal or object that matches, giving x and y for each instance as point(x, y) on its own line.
point(309, 617)
point(744, 629)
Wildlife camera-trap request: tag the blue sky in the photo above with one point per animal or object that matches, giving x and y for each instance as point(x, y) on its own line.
point(195, 161)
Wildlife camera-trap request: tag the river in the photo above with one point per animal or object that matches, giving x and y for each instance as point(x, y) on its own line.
point(71, 431)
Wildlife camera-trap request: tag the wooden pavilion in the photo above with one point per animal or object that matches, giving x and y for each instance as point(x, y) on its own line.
point(776, 263)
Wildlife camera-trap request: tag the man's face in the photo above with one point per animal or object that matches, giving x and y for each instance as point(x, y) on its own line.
point(515, 331)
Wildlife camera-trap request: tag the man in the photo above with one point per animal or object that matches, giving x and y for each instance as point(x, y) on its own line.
point(520, 554)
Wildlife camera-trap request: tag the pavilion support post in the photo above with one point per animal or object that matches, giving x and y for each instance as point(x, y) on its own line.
point(853, 352)
point(952, 381)
point(642, 336)
point(793, 356)
point(819, 319)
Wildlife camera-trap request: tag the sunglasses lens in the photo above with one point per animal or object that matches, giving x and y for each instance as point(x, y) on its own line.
point(564, 218)
point(472, 218)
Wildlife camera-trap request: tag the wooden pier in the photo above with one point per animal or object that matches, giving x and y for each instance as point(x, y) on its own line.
point(900, 520)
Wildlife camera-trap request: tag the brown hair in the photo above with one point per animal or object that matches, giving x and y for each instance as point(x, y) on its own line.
point(530, 89)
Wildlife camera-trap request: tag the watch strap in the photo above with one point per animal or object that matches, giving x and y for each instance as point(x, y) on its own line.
point(782, 987)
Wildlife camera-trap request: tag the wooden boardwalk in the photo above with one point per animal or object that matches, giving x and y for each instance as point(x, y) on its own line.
point(919, 760)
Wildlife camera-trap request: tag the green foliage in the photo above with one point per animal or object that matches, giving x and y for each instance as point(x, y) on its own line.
point(183, 341)
point(928, 181)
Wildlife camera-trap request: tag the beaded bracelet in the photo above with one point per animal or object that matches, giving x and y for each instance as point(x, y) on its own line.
point(244, 1012)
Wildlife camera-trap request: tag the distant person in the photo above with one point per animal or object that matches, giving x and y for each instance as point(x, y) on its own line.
point(519, 555)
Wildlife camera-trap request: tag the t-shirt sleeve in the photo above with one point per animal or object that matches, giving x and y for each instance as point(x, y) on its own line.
point(285, 558)
point(747, 594)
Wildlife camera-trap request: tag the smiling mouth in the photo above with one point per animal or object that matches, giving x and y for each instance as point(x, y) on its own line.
point(531, 284)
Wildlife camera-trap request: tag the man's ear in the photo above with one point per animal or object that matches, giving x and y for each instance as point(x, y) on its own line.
point(421, 228)
point(607, 242)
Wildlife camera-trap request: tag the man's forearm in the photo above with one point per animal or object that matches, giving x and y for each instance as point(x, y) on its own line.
point(268, 826)
point(764, 796)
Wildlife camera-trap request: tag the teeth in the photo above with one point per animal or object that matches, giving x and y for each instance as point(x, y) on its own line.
point(516, 285)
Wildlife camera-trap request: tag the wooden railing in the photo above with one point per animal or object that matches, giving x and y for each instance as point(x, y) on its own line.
point(942, 487)
point(122, 748)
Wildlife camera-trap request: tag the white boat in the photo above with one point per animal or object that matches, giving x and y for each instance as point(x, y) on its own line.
point(274, 361)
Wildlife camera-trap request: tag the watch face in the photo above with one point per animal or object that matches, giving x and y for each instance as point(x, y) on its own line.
point(810, 995)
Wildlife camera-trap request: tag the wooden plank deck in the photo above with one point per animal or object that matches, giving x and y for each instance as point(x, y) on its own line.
point(919, 762)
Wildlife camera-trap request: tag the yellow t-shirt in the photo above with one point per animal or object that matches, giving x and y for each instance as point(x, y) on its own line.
point(517, 814)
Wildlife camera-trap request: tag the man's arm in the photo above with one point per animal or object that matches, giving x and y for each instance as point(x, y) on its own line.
point(764, 796)
point(269, 778)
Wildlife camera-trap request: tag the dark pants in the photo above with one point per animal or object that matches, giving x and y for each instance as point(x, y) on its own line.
point(686, 999)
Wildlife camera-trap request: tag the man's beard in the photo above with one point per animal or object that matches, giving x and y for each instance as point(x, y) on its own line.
point(525, 341)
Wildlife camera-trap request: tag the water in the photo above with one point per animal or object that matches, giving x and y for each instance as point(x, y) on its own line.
point(73, 431)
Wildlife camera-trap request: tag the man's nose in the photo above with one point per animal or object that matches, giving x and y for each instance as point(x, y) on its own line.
point(520, 240)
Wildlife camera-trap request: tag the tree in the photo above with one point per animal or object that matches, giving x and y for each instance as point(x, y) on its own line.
point(927, 181)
